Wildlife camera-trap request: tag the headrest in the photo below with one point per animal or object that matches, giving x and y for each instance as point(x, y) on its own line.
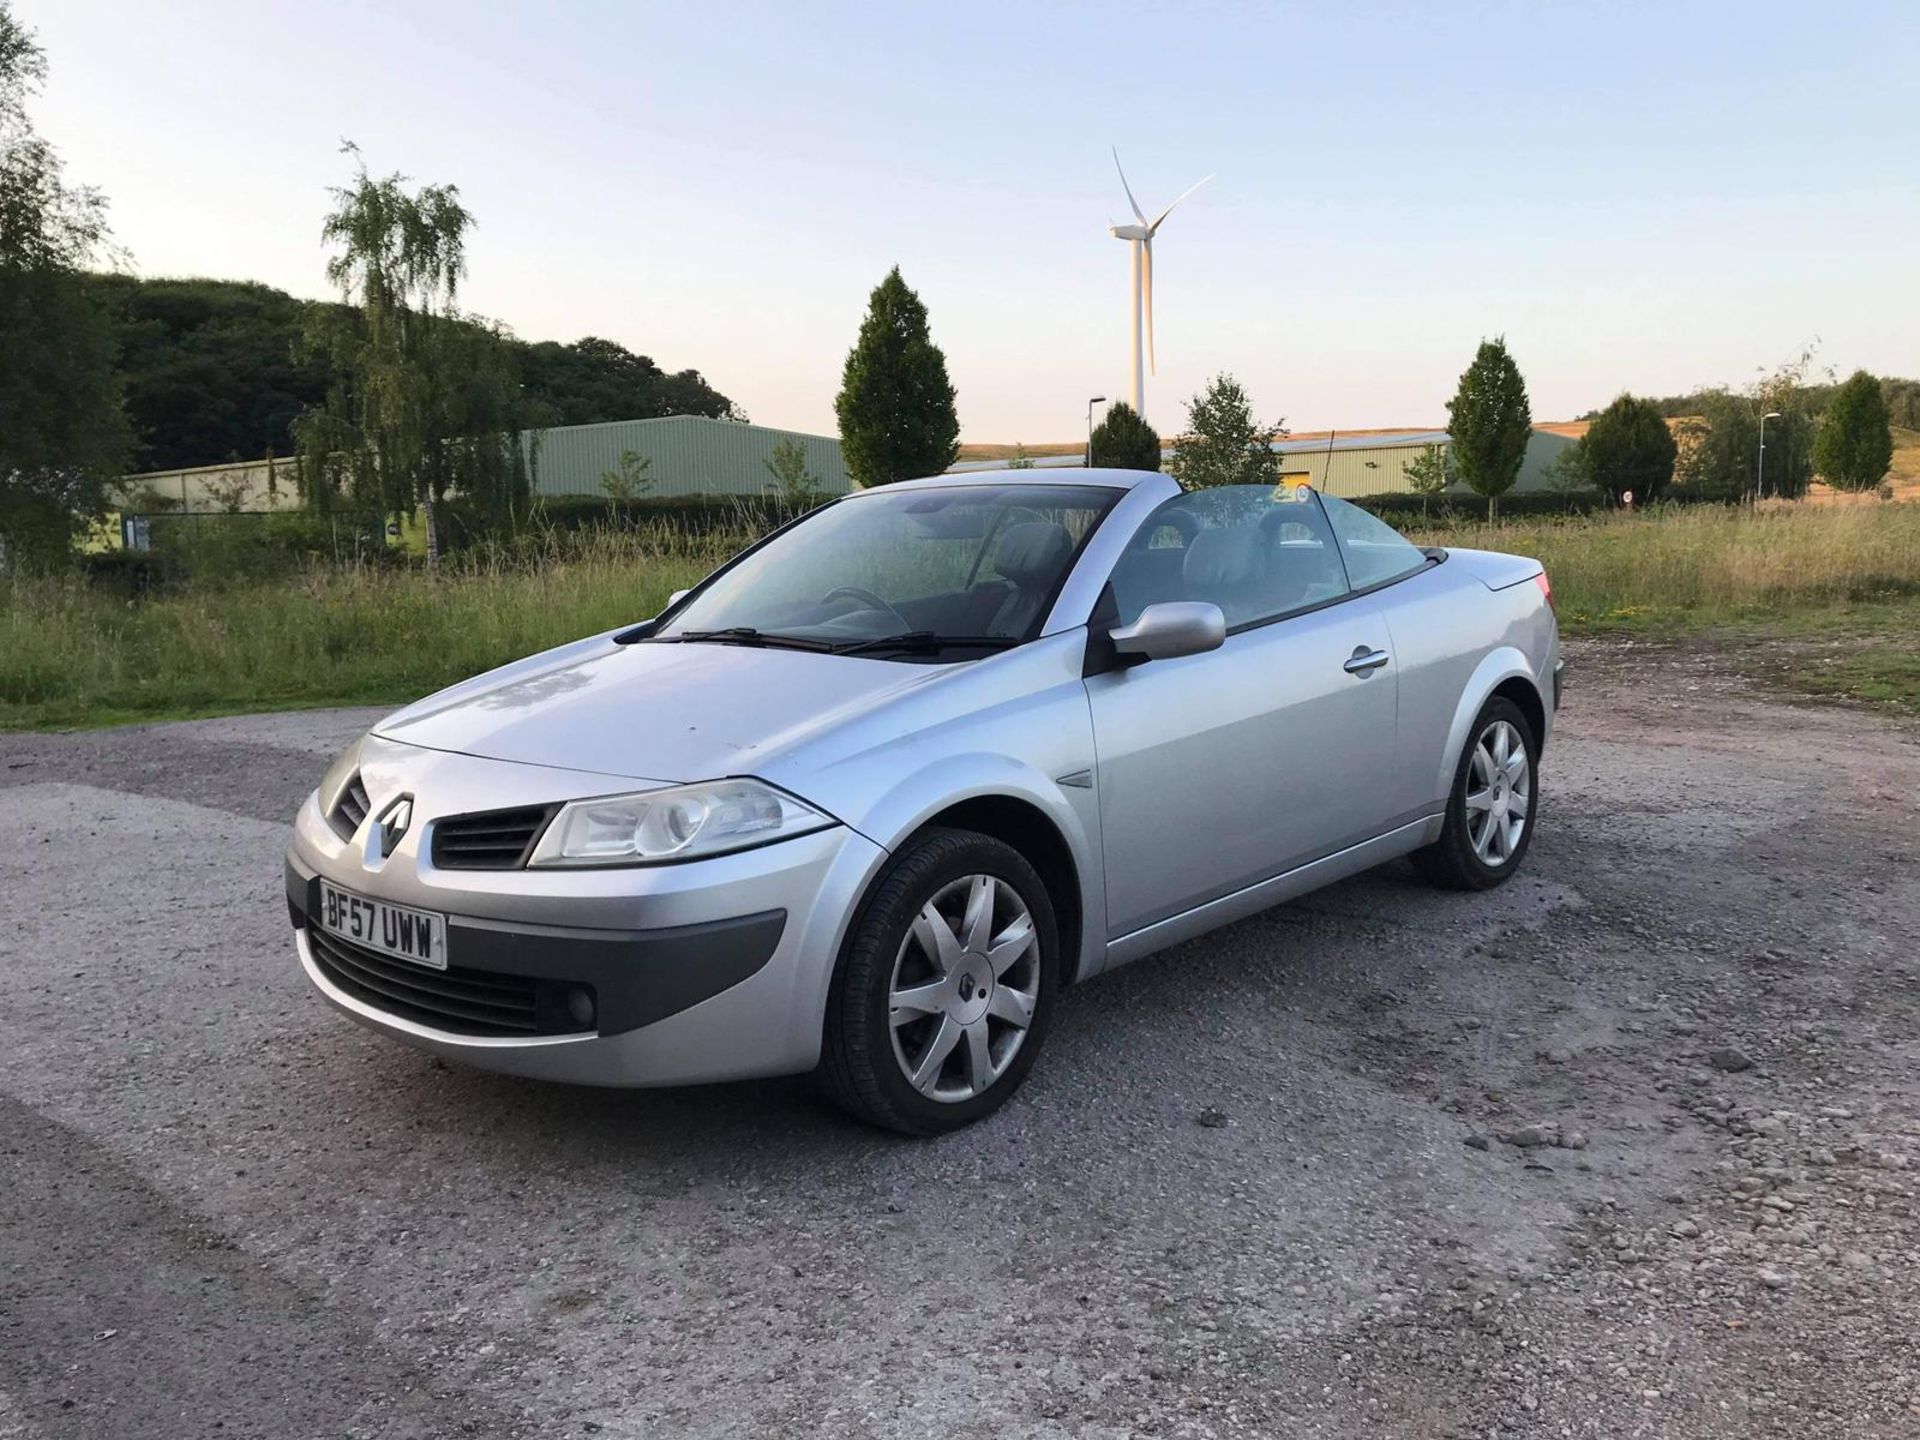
point(1033, 554)
point(1220, 558)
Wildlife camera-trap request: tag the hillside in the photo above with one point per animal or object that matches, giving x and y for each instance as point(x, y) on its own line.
point(212, 372)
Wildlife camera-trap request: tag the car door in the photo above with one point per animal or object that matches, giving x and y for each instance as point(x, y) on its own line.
point(1219, 770)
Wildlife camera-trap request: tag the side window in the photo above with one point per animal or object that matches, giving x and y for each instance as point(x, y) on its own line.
point(1374, 551)
point(1256, 551)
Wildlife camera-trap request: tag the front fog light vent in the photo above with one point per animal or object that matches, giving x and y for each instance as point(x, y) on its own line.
point(350, 810)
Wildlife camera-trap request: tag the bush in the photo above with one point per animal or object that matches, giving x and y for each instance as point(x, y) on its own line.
point(127, 573)
point(217, 550)
point(1628, 448)
point(1399, 508)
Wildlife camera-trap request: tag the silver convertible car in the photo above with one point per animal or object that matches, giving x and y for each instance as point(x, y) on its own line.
point(872, 795)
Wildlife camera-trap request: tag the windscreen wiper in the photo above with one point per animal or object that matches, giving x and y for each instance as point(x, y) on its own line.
point(925, 640)
point(747, 635)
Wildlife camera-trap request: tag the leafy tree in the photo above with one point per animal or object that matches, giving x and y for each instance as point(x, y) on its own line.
point(629, 480)
point(593, 380)
point(218, 370)
point(62, 434)
point(1720, 447)
point(1627, 448)
point(212, 368)
point(1489, 423)
point(1125, 441)
point(1428, 476)
point(423, 400)
point(895, 405)
point(1717, 447)
point(1567, 472)
point(1786, 391)
point(1019, 460)
point(1854, 449)
point(793, 478)
point(1223, 443)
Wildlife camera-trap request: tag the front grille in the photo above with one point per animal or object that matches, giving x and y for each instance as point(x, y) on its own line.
point(494, 840)
point(466, 1002)
point(350, 809)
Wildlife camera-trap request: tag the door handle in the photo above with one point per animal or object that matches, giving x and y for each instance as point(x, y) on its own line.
point(1365, 661)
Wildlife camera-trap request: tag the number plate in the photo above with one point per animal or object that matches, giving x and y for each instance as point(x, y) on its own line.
point(396, 930)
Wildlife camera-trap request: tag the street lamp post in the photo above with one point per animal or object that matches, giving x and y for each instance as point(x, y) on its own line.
point(1096, 400)
point(1760, 465)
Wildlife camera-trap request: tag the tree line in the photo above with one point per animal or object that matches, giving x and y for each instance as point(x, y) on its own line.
point(898, 420)
point(391, 396)
point(216, 370)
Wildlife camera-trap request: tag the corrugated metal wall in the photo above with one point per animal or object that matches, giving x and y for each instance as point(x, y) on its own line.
point(1382, 469)
point(690, 456)
point(248, 485)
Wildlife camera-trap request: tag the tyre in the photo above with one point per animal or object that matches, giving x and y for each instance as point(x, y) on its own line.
point(944, 988)
point(1492, 806)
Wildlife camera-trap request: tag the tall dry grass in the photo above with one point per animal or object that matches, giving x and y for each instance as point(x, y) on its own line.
point(1700, 564)
point(73, 655)
point(70, 655)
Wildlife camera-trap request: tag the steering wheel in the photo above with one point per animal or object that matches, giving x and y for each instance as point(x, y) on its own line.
point(858, 592)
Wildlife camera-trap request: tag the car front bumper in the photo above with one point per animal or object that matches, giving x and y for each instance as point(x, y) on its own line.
point(709, 970)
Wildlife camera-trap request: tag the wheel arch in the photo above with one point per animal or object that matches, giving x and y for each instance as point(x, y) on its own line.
point(1027, 828)
point(1055, 827)
point(1504, 672)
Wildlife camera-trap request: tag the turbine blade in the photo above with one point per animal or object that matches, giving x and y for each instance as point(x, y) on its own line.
point(1151, 363)
point(1155, 223)
point(1128, 188)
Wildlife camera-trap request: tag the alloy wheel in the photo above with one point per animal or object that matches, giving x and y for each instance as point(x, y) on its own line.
point(1499, 793)
point(965, 984)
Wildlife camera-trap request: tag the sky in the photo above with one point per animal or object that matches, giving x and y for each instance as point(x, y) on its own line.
point(1638, 197)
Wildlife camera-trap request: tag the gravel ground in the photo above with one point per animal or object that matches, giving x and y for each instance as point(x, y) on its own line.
point(1629, 1147)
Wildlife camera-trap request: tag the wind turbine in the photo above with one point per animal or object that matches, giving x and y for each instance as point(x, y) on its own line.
point(1140, 236)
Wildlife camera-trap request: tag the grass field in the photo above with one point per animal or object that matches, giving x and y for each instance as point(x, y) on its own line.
point(73, 656)
point(1689, 568)
point(1831, 592)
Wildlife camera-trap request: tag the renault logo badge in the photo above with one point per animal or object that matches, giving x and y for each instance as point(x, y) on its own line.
point(394, 822)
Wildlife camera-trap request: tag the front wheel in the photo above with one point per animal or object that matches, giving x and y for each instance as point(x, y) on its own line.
point(1492, 806)
point(945, 987)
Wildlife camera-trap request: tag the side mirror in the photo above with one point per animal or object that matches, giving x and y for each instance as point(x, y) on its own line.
point(676, 597)
point(1170, 630)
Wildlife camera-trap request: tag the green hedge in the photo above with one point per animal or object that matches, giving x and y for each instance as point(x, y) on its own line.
point(465, 526)
point(1399, 508)
point(689, 512)
point(209, 550)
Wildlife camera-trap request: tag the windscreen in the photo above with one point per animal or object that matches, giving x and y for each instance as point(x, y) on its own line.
point(974, 561)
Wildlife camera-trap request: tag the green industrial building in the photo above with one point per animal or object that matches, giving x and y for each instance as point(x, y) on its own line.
point(685, 454)
point(1377, 464)
point(1371, 462)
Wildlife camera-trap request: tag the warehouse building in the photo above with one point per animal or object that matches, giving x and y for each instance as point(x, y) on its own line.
point(1365, 462)
point(683, 455)
point(1376, 464)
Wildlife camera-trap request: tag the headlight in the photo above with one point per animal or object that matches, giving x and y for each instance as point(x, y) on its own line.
point(338, 774)
point(674, 824)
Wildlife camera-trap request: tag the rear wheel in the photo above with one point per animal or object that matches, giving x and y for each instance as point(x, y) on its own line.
point(1492, 806)
point(945, 986)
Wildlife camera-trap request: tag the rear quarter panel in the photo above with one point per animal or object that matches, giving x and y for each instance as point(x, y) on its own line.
point(1454, 641)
